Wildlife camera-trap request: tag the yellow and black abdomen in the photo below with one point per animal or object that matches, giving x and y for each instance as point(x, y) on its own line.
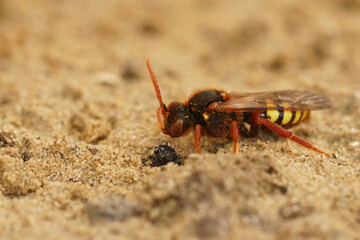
point(285, 118)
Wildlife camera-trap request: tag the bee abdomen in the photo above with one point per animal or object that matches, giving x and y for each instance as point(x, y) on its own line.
point(285, 117)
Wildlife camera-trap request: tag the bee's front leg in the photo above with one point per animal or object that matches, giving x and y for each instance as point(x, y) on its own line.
point(199, 132)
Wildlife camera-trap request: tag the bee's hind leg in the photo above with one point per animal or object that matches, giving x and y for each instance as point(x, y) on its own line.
point(282, 132)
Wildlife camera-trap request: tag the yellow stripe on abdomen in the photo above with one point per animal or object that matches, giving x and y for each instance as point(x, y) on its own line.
point(297, 117)
point(287, 117)
point(304, 114)
point(272, 115)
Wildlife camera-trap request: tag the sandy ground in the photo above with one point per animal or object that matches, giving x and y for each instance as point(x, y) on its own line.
point(78, 115)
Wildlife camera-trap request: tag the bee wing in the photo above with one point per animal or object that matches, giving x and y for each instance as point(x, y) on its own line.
point(278, 100)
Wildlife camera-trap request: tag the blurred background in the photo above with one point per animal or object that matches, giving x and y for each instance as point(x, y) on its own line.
point(240, 45)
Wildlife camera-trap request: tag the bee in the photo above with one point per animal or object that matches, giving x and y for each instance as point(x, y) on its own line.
point(216, 113)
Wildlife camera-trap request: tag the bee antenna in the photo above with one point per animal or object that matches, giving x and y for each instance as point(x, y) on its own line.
point(156, 86)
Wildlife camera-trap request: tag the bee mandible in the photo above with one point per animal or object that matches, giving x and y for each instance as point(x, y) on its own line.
point(216, 113)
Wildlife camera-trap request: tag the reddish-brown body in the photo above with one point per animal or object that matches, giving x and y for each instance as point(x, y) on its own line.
point(216, 113)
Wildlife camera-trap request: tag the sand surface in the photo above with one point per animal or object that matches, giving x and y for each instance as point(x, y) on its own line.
point(78, 115)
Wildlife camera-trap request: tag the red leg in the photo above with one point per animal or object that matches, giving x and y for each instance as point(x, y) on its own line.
point(282, 132)
point(235, 135)
point(199, 132)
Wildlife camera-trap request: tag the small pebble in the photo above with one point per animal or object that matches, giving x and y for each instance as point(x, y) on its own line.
point(163, 154)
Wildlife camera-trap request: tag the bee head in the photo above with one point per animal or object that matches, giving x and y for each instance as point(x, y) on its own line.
point(176, 120)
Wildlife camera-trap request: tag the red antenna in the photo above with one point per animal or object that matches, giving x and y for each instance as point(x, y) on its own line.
point(156, 86)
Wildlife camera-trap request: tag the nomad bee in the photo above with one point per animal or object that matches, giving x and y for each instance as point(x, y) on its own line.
point(216, 113)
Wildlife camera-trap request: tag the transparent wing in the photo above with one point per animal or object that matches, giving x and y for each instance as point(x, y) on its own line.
point(278, 100)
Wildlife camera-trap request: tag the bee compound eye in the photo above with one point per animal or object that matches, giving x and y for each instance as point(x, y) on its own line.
point(177, 128)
